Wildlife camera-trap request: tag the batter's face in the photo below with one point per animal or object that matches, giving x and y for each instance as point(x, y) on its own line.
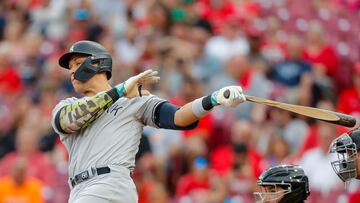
point(97, 83)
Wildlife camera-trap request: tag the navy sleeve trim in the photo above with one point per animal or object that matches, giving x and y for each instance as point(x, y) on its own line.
point(164, 115)
point(156, 113)
point(57, 122)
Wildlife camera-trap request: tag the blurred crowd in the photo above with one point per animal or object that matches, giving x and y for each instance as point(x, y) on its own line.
point(300, 52)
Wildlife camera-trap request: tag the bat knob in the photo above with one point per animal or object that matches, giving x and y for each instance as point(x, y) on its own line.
point(227, 94)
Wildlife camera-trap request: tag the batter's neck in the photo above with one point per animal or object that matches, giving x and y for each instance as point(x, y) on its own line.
point(97, 88)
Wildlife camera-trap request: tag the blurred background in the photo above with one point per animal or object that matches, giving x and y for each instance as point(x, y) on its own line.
point(300, 52)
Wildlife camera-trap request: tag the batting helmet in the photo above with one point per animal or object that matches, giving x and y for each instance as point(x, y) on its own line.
point(96, 54)
point(346, 147)
point(283, 184)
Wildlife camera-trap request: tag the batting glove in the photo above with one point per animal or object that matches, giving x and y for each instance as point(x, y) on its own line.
point(132, 87)
point(230, 96)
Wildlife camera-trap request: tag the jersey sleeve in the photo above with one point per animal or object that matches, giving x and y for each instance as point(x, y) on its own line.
point(55, 112)
point(146, 112)
point(79, 114)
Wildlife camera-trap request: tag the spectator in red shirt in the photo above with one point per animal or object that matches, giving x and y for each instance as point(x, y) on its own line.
point(200, 184)
point(10, 83)
point(247, 10)
point(349, 100)
point(192, 88)
point(319, 53)
point(240, 181)
point(196, 180)
point(217, 12)
point(145, 176)
point(273, 46)
point(223, 159)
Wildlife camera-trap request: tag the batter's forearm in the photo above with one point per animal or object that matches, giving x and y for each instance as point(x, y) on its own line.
point(185, 116)
point(193, 111)
point(80, 114)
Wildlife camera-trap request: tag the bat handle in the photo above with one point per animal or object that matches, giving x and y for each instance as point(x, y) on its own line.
point(227, 94)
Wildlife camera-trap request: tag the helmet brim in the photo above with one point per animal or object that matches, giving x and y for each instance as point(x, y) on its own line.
point(65, 58)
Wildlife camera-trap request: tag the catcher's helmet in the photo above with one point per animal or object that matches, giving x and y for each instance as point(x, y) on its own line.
point(346, 147)
point(283, 184)
point(96, 53)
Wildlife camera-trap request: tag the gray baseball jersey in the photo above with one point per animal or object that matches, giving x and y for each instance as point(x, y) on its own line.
point(113, 138)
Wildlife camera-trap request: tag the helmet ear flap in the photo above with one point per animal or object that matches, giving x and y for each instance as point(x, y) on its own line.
point(105, 64)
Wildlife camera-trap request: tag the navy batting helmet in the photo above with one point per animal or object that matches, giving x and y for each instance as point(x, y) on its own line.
point(96, 54)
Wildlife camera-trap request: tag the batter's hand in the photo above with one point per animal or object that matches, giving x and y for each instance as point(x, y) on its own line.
point(132, 87)
point(230, 96)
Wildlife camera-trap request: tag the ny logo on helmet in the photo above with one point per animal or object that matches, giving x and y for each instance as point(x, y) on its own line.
point(72, 48)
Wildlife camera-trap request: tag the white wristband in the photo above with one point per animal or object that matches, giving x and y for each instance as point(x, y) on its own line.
point(198, 108)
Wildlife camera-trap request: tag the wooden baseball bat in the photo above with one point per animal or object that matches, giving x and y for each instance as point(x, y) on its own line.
point(320, 114)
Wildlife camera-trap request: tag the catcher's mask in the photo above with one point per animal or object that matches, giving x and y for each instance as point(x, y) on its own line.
point(346, 147)
point(97, 54)
point(282, 184)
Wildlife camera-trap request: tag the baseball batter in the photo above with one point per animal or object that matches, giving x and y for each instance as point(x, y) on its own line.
point(102, 130)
